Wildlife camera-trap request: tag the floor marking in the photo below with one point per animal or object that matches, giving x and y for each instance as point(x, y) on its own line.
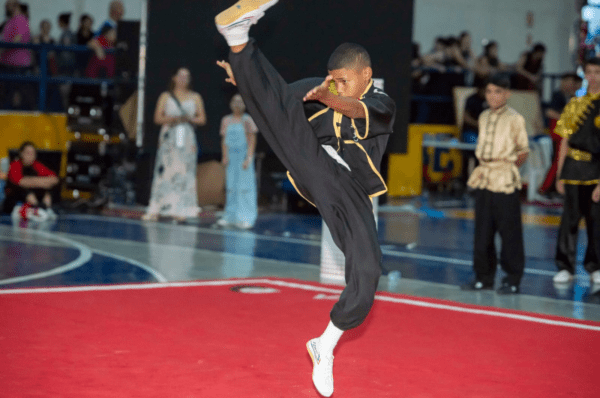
point(85, 255)
point(296, 285)
point(157, 275)
point(315, 243)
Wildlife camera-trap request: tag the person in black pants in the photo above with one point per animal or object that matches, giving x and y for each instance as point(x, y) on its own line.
point(579, 179)
point(330, 134)
point(502, 147)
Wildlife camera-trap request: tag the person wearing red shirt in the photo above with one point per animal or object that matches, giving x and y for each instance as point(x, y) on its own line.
point(29, 181)
point(101, 60)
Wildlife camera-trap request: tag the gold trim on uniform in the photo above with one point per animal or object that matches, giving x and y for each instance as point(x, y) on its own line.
point(575, 182)
point(337, 127)
point(296, 188)
point(579, 155)
point(322, 111)
point(372, 167)
point(597, 121)
point(573, 115)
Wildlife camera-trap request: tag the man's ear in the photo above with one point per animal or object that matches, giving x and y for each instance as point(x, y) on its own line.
point(367, 73)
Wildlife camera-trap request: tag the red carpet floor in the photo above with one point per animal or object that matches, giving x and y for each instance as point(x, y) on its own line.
point(206, 340)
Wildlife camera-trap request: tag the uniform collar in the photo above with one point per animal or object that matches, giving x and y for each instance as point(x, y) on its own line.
point(500, 110)
point(367, 89)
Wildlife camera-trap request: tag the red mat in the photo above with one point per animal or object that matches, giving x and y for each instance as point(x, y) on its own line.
point(206, 340)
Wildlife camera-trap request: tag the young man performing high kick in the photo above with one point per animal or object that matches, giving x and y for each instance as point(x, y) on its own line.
point(331, 135)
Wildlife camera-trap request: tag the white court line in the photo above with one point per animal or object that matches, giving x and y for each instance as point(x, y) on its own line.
point(85, 255)
point(157, 275)
point(413, 302)
point(391, 253)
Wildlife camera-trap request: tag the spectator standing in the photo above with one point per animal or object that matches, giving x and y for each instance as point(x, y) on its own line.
point(174, 183)
point(466, 48)
point(116, 11)
point(529, 69)
point(502, 148)
point(238, 143)
point(569, 84)
point(44, 37)
point(468, 56)
point(488, 64)
point(30, 182)
point(66, 59)
point(84, 35)
point(579, 178)
point(15, 61)
point(101, 62)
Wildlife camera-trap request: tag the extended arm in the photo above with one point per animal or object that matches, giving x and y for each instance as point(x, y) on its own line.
point(347, 106)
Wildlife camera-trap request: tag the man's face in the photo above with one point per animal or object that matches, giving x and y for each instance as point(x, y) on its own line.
point(351, 82)
point(237, 104)
point(496, 96)
point(592, 75)
point(28, 155)
point(117, 10)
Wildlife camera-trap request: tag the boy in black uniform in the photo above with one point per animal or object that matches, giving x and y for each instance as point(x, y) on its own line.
point(579, 178)
point(331, 135)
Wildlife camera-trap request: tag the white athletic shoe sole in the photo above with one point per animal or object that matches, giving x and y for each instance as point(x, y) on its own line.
point(322, 375)
point(235, 22)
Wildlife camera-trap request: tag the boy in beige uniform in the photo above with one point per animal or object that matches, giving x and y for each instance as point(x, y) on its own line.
point(502, 147)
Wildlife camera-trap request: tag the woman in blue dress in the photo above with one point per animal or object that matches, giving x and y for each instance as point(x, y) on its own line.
point(238, 143)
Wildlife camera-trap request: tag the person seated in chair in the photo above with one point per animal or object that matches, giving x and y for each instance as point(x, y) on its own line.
point(30, 182)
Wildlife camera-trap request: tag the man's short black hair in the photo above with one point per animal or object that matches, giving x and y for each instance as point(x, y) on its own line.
point(25, 145)
point(571, 75)
point(349, 56)
point(498, 80)
point(591, 61)
point(539, 47)
point(65, 18)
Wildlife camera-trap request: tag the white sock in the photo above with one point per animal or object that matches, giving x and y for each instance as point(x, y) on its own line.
point(330, 338)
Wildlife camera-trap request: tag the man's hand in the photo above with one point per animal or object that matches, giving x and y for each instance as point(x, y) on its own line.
point(319, 92)
point(596, 194)
point(560, 187)
point(225, 65)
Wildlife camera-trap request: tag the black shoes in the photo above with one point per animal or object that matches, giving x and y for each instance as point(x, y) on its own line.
point(505, 288)
point(476, 286)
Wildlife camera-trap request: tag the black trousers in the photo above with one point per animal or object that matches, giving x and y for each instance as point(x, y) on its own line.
point(498, 212)
point(343, 203)
point(578, 204)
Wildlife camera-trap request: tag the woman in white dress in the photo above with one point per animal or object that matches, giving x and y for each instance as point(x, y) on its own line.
point(174, 183)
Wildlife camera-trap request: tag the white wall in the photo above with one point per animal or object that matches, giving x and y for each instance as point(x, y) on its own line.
point(98, 9)
point(503, 21)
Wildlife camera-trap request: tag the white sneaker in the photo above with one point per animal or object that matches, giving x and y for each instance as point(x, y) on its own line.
point(36, 214)
point(322, 375)
point(234, 23)
point(222, 222)
point(244, 225)
point(595, 277)
point(51, 214)
point(563, 276)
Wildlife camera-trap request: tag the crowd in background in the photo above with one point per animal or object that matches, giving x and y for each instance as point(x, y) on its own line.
point(98, 62)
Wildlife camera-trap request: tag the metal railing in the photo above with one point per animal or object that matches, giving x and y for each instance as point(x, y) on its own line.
point(43, 79)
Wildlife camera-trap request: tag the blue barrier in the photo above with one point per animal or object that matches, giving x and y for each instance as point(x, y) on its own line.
point(43, 79)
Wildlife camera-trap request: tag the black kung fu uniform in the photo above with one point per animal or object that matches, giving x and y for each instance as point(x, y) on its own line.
point(580, 125)
point(339, 180)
